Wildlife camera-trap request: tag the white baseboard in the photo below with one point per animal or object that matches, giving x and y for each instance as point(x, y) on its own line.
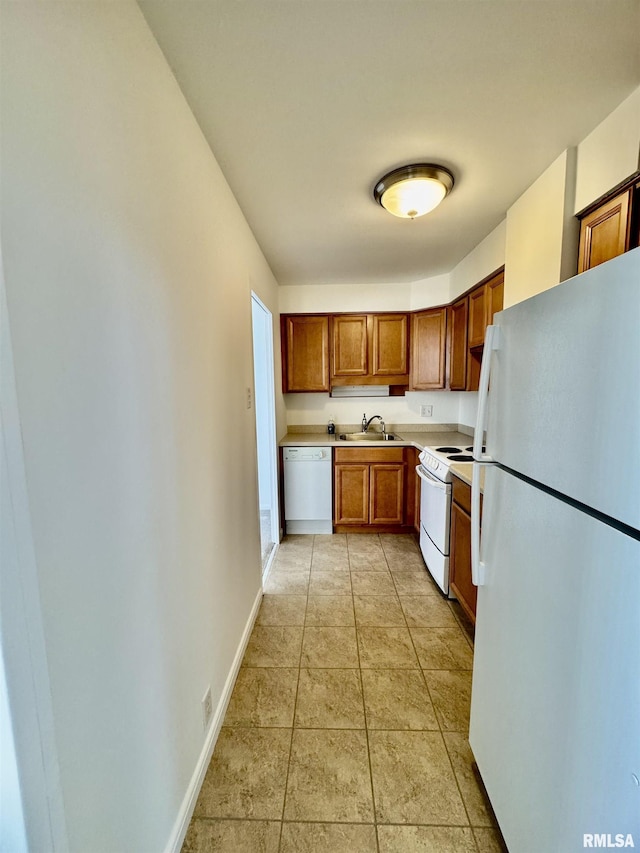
point(176, 839)
point(269, 566)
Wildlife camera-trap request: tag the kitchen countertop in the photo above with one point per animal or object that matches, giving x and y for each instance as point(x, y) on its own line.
point(423, 439)
point(408, 439)
point(463, 470)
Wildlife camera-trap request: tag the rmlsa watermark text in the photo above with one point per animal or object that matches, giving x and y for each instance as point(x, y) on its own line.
point(604, 840)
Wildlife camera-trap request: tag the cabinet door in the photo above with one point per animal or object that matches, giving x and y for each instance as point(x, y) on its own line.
point(417, 485)
point(411, 506)
point(604, 233)
point(349, 351)
point(386, 494)
point(460, 561)
point(458, 316)
point(389, 345)
point(494, 296)
point(484, 301)
point(351, 490)
point(428, 346)
point(305, 356)
point(477, 316)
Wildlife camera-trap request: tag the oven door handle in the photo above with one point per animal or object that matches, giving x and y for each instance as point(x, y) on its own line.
point(422, 472)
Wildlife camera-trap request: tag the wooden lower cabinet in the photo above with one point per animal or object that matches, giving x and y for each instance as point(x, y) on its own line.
point(351, 494)
point(386, 494)
point(460, 554)
point(369, 488)
point(412, 490)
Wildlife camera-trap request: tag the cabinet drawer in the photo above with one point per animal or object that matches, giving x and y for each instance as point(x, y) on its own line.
point(368, 454)
point(461, 493)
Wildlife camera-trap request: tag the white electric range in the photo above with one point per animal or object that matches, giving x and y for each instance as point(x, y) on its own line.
point(435, 507)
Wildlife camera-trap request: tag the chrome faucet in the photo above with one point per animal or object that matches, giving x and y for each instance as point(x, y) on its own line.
point(366, 423)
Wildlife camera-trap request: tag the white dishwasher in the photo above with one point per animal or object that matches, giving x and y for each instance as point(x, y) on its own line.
point(307, 490)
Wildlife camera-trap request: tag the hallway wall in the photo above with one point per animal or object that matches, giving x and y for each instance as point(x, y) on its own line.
point(128, 271)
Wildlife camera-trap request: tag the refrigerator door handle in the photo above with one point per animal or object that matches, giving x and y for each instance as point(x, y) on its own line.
point(478, 569)
point(491, 343)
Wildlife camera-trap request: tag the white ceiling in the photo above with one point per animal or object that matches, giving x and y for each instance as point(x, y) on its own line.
point(306, 103)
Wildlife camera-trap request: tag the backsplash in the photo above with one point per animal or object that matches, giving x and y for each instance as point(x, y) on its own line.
point(449, 408)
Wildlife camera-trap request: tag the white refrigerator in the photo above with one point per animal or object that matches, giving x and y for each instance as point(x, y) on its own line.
point(555, 709)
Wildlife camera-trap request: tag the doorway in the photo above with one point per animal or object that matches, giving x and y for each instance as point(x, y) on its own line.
point(263, 383)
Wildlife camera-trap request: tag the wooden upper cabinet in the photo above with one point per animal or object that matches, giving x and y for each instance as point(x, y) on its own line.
point(397, 349)
point(370, 349)
point(389, 344)
point(349, 351)
point(485, 301)
point(428, 347)
point(305, 352)
point(494, 296)
point(605, 232)
point(458, 314)
point(477, 316)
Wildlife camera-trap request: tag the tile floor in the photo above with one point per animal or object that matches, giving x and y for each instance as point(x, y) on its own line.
point(347, 728)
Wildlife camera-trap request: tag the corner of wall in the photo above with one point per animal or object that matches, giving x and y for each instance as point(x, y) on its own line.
point(485, 258)
point(536, 225)
point(570, 225)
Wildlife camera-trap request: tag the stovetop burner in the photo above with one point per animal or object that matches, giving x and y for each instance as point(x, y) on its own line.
point(484, 449)
point(460, 457)
point(448, 449)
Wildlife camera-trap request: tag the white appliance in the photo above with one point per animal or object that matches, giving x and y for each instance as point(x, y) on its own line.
point(555, 711)
point(307, 490)
point(435, 507)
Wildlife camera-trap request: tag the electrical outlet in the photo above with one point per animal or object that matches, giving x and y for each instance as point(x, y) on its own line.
point(249, 398)
point(207, 709)
point(426, 411)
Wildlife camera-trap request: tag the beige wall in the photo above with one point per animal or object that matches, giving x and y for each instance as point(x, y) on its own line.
point(541, 229)
point(395, 296)
point(540, 237)
point(128, 270)
point(610, 153)
point(487, 257)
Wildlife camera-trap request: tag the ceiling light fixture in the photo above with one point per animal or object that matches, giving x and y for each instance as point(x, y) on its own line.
point(412, 191)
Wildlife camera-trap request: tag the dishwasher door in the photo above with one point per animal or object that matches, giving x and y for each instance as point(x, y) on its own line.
point(308, 505)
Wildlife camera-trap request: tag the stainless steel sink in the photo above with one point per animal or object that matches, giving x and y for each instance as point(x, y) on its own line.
point(368, 436)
